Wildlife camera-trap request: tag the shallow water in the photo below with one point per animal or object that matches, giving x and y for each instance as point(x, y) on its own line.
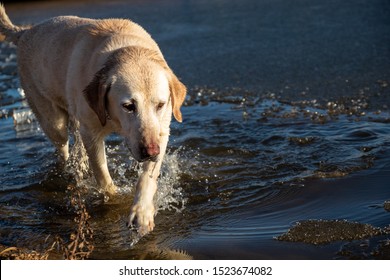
point(240, 170)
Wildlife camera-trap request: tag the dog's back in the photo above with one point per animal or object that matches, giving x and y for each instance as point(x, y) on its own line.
point(57, 56)
point(45, 53)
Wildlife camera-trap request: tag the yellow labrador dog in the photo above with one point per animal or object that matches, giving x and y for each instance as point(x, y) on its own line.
point(105, 76)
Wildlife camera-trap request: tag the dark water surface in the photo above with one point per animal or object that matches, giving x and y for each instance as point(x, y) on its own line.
point(234, 179)
point(247, 163)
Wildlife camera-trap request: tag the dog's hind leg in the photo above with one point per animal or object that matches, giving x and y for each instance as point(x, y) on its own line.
point(54, 123)
point(94, 145)
point(57, 131)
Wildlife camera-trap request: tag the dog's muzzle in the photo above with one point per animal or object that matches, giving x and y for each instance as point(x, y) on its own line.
point(149, 152)
point(145, 152)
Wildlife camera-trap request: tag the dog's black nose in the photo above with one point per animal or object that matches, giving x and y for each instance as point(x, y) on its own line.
point(150, 151)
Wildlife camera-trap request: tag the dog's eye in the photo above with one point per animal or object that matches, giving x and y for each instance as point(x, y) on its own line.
point(160, 106)
point(129, 107)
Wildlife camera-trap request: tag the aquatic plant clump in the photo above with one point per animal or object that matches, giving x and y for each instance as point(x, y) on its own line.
point(386, 205)
point(79, 246)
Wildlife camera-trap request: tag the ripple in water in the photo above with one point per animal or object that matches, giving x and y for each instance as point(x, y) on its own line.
point(243, 170)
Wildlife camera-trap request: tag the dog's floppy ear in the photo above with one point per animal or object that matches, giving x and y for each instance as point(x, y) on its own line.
point(96, 94)
point(178, 94)
point(177, 90)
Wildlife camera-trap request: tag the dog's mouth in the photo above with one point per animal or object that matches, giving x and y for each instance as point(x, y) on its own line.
point(144, 159)
point(152, 159)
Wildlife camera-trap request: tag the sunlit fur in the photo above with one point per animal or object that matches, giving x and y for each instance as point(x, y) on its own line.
point(81, 71)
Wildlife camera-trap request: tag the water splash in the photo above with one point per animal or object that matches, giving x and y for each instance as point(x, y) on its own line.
point(23, 116)
point(126, 171)
point(78, 164)
point(169, 194)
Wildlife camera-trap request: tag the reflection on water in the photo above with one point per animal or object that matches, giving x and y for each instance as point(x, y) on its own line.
point(240, 170)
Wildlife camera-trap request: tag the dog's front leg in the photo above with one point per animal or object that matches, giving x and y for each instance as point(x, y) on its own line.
point(97, 159)
point(143, 210)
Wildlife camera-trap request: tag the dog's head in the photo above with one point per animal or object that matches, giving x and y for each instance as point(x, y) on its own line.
point(138, 92)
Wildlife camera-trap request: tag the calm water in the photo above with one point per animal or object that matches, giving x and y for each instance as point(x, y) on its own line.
point(240, 170)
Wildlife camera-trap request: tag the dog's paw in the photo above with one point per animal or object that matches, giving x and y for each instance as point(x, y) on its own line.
point(142, 215)
point(111, 189)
